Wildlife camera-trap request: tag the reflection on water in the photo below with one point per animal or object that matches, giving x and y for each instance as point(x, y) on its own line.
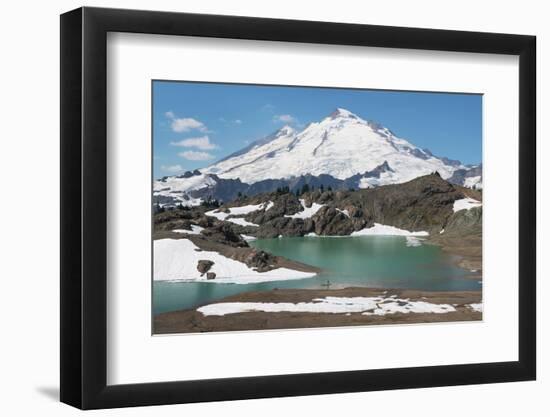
point(373, 261)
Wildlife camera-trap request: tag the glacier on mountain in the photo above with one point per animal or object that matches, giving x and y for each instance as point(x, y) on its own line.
point(341, 145)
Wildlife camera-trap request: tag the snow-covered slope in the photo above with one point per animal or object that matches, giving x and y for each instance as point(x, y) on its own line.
point(256, 152)
point(341, 145)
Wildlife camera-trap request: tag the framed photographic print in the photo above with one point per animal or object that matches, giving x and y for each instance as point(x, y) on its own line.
point(258, 208)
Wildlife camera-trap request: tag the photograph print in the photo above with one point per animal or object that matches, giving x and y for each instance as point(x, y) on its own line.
point(289, 207)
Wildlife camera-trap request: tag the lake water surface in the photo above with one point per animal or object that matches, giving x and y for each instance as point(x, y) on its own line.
point(370, 261)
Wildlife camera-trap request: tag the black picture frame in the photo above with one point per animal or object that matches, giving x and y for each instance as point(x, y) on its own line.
point(84, 207)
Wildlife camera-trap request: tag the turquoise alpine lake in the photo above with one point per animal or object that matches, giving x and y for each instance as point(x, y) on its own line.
point(363, 261)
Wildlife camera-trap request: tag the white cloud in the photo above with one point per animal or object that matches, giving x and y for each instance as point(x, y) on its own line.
point(196, 156)
point(285, 118)
point(173, 169)
point(184, 124)
point(202, 142)
point(229, 121)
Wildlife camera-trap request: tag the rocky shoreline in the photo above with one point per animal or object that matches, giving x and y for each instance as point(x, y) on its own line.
point(193, 321)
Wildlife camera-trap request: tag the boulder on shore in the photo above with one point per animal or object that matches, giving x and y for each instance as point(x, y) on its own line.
point(210, 275)
point(204, 266)
point(259, 260)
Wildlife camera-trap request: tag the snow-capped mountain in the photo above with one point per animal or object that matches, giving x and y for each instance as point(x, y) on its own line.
point(342, 151)
point(341, 145)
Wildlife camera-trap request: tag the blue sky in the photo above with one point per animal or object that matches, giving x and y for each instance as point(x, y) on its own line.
point(196, 124)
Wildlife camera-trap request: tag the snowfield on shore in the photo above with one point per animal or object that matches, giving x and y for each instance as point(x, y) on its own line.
point(177, 259)
point(378, 306)
point(384, 230)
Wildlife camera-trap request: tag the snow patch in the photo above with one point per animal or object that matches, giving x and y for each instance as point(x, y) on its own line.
point(465, 204)
point(239, 211)
point(249, 238)
point(384, 230)
point(177, 259)
point(307, 213)
point(241, 222)
point(335, 305)
point(195, 230)
point(476, 307)
point(406, 306)
point(345, 212)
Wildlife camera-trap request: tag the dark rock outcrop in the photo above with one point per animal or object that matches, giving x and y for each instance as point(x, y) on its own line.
point(175, 219)
point(465, 222)
point(330, 221)
point(225, 233)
